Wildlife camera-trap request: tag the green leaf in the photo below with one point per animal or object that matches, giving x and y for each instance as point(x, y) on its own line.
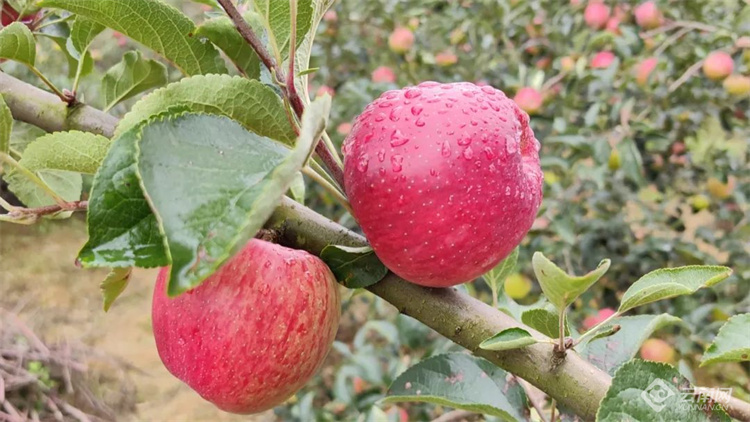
point(354, 267)
point(123, 231)
point(132, 76)
point(254, 105)
point(82, 33)
point(59, 33)
point(610, 352)
point(57, 159)
point(304, 49)
point(495, 278)
point(667, 283)
point(544, 321)
point(75, 151)
point(276, 15)
point(222, 32)
point(461, 381)
point(17, 43)
point(154, 24)
point(67, 185)
point(649, 391)
point(560, 288)
point(732, 343)
point(508, 339)
point(115, 283)
point(6, 126)
point(212, 185)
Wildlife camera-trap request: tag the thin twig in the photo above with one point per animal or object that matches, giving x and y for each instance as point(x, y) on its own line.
point(671, 40)
point(533, 394)
point(680, 24)
point(689, 73)
point(30, 215)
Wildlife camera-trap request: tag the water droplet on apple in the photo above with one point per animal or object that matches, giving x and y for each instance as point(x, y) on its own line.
point(363, 162)
point(397, 163)
point(464, 141)
point(412, 93)
point(445, 150)
point(395, 114)
point(416, 110)
point(419, 122)
point(489, 153)
point(468, 153)
point(381, 155)
point(398, 138)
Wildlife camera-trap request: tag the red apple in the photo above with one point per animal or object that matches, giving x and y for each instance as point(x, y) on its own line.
point(644, 69)
point(331, 16)
point(657, 350)
point(592, 320)
point(529, 99)
point(254, 332)
point(602, 60)
point(8, 15)
point(401, 40)
point(383, 74)
point(344, 128)
point(737, 85)
point(398, 413)
point(613, 25)
point(596, 15)
point(325, 89)
point(445, 59)
point(648, 16)
point(444, 180)
point(718, 65)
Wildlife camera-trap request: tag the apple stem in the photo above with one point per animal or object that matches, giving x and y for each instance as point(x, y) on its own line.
point(288, 89)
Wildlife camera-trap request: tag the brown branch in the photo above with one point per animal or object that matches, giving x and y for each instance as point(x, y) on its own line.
point(31, 215)
point(288, 89)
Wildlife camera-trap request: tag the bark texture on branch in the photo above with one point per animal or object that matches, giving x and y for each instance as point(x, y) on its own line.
point(574, 383)
point(40, 108)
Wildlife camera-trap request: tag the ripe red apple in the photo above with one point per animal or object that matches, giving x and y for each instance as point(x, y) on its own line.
point(596, 14)
point(8, 15)
point(254, 332)
point(613, 25)
point(445, 59)
point(657, 350)
point(648, 16)
point(602, 60)
point(737, 85)
point(325, 89)
point(383, 74)
point(529, 99)
point(401, 40)
point(718, 65)
point(331, 16)
point(444, 180)
point(592, 320)
point(644, 69)
point(344, 128)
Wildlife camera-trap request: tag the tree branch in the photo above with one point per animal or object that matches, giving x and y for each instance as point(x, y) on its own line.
point(40, 108)
point(575, 383)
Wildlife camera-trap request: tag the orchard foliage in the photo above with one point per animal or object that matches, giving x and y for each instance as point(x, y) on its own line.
point(641, 110)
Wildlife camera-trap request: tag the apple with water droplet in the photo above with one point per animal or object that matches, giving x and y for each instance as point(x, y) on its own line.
point(8, 15)
point(254, 332)
point(444, 180)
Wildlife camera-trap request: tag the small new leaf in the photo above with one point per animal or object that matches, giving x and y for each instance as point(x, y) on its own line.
point(113, 286)
point(132, 76)
point(732, 343)
point(511, 338)
point(667, 283)
point(354, 267)
point(560, 288)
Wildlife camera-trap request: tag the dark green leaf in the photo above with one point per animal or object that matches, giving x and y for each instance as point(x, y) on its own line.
point(154, 24)
point(354, 267)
